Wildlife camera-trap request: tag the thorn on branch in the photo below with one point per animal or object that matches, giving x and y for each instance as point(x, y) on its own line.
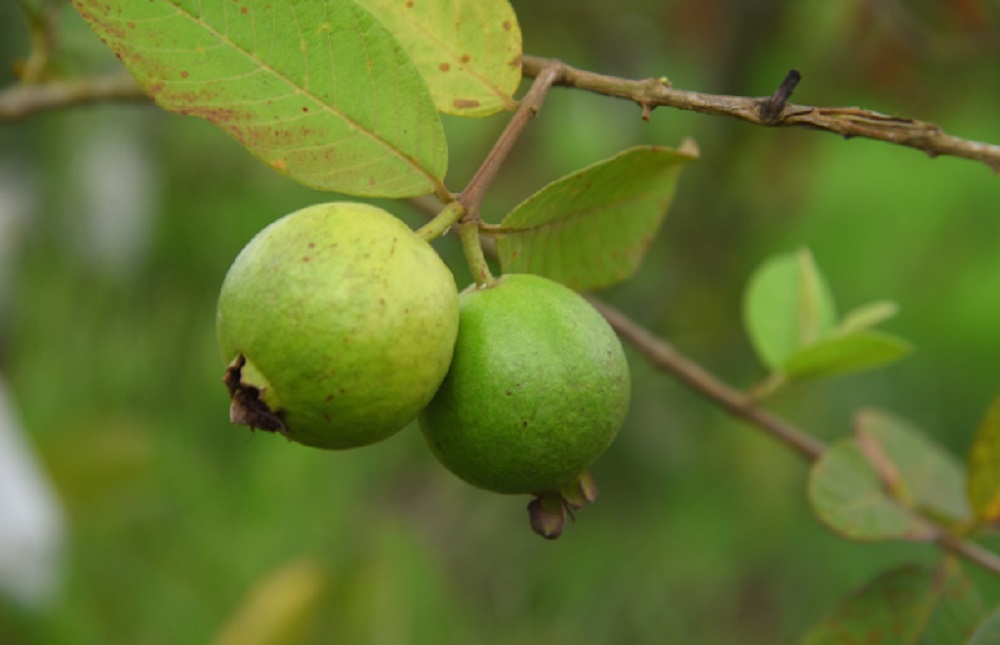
point(771, 108)
point(647, 111)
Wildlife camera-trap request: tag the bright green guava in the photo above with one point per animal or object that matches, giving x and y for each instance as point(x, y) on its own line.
point(338, 324)
point(537, 390)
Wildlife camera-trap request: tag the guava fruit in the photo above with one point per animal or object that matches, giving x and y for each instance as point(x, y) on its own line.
point(337, 324)
point(537, 390)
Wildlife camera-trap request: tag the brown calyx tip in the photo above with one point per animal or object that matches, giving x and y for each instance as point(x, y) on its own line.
point(547, 512)
point(246, 407)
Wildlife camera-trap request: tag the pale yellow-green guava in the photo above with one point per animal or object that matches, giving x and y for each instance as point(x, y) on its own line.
point(337, 323)
point(537, 390)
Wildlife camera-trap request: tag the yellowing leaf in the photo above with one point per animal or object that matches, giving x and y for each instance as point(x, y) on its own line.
point(469, 51)
point(984, 467)
point(909, 605)
point(279, 609)
point(319, 91)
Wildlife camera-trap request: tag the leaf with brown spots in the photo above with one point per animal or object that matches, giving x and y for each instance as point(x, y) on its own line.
point(914, 469)
point(319, 91)
point(469, 51)
point(984, 467)
point(591, 229)
point(883, 482)
point(908, 605)
point(847, 495)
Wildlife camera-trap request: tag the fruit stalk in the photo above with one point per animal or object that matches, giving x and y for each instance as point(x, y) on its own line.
point(473, 249)
point(441, 222)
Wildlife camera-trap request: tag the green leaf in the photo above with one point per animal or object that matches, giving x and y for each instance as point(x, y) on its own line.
point(591, 229)
point(918, 472)
point(842, 354)
point(469, 51)
point(909, 605)
point(787, 306)
point(848, 496)
point(984, 467)
point(989, 631)
point(319, 91)
point(867, 316)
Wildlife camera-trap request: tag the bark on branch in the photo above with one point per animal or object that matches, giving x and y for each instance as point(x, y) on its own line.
point(848, 122)
point(20, 101)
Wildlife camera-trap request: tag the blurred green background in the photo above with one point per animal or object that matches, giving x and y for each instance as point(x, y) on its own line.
point(122, 220)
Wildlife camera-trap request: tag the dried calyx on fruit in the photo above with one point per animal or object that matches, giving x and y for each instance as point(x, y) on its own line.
point(337, 323)
point(537, 390)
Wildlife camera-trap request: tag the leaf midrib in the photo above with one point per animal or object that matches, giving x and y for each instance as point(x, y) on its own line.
point(222, 38)
point(575, 215)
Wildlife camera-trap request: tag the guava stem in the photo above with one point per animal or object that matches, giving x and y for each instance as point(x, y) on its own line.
point(469, 233)
point(529, 106)
point(441, 222)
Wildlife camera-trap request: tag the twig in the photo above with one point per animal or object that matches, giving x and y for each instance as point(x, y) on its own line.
point(969, 550)
point(846, 121)
point(472, 195)
point(21, 101)
point(665, 357)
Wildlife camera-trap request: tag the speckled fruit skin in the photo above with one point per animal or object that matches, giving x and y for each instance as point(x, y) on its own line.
point(347, 321)
point(538, 388)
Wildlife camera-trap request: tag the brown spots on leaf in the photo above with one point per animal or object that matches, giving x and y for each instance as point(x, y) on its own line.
point(329, 397)
point(279, 164)
point(465, 104)
point(465, 59)
point(444, 67)
point(184, 73)
point(244, 9)
point(306, 258)
point(312, 245)
point(371, 181)
point(409, 4)
point(216, 115)
point(506, 25)
point(131, 25)
point(305, 109)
